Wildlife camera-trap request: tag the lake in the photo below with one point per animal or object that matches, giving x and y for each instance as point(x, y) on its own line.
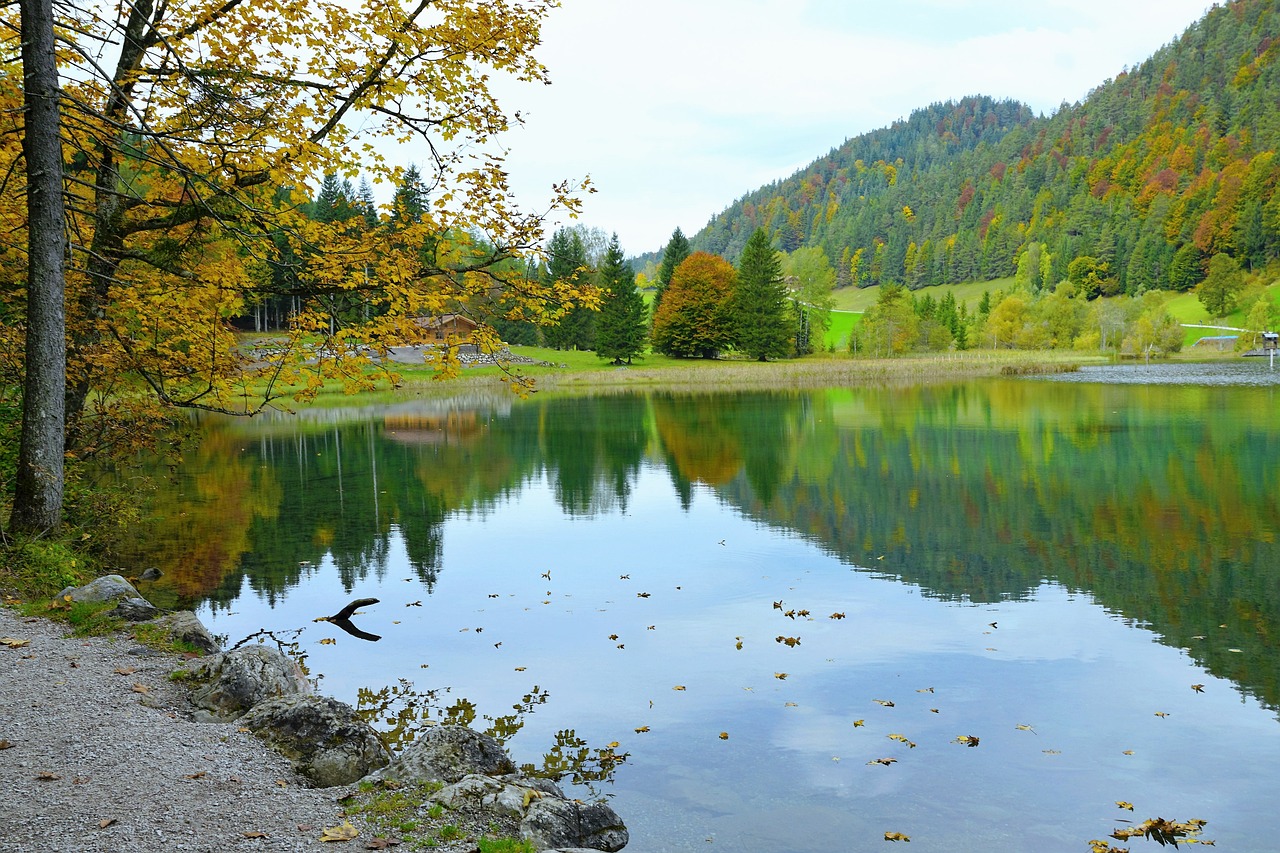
point(978, 614)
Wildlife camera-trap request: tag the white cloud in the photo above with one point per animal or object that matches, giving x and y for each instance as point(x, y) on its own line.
point(677, 108)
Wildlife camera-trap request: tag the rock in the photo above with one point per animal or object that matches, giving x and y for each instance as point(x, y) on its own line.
point(134, 610)
point(105, 588)
point(324, 739)
point(552, 823)
point(185, 627)
point(151, 574)
point(448, 753)
point(508, 795)
point(230, 683)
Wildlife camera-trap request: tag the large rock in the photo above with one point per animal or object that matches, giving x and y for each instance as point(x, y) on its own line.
point(448, 753)
point(508, 795)
point(552, 822)
point(228, 684)
point(134, 610)
point(184, 627)
point(105, 588)
point(324, 739)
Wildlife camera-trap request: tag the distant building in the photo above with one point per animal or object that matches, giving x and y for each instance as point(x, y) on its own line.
point(439, 329)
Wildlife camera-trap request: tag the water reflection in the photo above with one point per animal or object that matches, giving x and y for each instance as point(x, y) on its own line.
point(611, 549)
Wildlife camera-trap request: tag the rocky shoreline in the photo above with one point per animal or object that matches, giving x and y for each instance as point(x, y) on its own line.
point(109, 745)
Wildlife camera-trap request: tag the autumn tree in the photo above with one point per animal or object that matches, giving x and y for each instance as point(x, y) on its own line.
point(180, 156)
point(759, 304)
point(694, 319)
point(623, 323)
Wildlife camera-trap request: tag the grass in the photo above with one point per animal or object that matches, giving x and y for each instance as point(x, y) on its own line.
point(41, 568)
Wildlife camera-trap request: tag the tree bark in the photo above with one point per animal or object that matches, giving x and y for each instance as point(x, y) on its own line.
point(37, 504)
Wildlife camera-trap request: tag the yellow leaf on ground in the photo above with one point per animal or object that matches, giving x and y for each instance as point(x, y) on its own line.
point(125, 670)
point(255, 834)
point(105, 822)
point(14, 642)
point(346, 832)
point(141, 688)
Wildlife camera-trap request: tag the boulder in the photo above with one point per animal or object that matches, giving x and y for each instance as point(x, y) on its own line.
point(134, 610)
point(230, 683)
point(448, 753)
point(105, 588)
point(324, 739)
point(508, 795)
point(184, 627)
point(557, 823)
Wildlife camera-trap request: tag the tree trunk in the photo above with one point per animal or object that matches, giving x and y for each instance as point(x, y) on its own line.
point(37, 503)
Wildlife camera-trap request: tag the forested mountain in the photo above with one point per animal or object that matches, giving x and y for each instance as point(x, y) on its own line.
point(1156, 171)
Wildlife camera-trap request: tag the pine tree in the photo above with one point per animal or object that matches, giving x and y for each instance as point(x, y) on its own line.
point(568, 263)
point(760, 302)
point(622, 324)
point(672, 256)
point(411, 197)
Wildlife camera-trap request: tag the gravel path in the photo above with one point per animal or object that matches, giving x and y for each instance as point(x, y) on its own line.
point(97, 754)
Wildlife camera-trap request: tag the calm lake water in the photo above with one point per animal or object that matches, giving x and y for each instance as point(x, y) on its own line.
point(1084, 575)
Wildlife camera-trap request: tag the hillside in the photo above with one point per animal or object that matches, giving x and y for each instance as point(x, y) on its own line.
point(1153, 173)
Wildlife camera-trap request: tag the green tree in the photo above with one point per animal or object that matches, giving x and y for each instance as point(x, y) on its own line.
point(694, 319)
point(622, 324)
point(1218, 292)
point(672, 256)
point(567, 265)
point(759, 304)
point(410, 202)
point(890, 327)
point(1155, 332)
point(1262, 318)
point(813, 280)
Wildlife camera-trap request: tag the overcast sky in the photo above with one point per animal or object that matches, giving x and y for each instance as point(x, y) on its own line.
point(675, 108)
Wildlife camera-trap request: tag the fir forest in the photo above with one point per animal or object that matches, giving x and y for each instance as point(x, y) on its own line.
point(928, 494)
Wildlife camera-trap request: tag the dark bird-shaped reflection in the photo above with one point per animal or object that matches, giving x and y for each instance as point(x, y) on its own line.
point(343, 619)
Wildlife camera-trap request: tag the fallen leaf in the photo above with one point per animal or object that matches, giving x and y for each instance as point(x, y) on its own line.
point(1124, 805)
point(791, 705)
point(346, 832)
point(1162, 714)
point(138, 687)
point(642, 595)
point(791, 642)
point(5, 744)
point(678, 687)
point(724, 736)
point(1023, 727)
point(282, 783)
point(837, 615)
point(967, 740)
point(328, 641)
point(888, 703)
point(885, 761)
point(1199, 688)
point(255, 834)
point(105, 822)
point(381, 843)
point(934, 711)
point(896, 836)
point(925, 690)
point(642, 729)
point(902, 739)
point(200, 774)
point(46, 776)
point(857, 724)
point(14, 642)
point(781, 676)
point(125, 670)
point(1128, 752)
point(738, 644)
point(1052, 751)
point(613, 637)
point(521, 668)
point(613, 744)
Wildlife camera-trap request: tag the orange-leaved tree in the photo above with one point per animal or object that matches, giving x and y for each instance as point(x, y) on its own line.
point(189, 132)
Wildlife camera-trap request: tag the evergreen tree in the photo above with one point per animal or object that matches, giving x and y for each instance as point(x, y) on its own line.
point(366, 204)
point(672, 256)
point(760, 301)
point(330, 203)
point(622, 324)
point(568, 263)
point(411, 197)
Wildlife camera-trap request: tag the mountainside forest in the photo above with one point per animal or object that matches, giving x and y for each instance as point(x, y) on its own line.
point(1158, 170)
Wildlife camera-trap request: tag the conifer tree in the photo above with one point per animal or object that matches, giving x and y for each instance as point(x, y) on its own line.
point(760, 301)
point(568, 264)
point(672, 256)
point(622, 324)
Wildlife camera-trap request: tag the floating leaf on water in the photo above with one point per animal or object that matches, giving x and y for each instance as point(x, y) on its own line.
point(777, 605)
point(1052, 751)
point(925, 690)
point(642, 595)
point(1199, 688)
point(1124, 805)
point(724, 736)
point(837, 615)
point(328, 641)
point(642, 729)
point(781, 676)
point(613, 637)
point(789, 642)
point(896, 836)
point(738, 644)
point(885, 761)
point(934, 711)
point(1161, 714)
point(791, 705)
point(678, 687)
point(967, 740)
point(888, 703)
point(857, 724)
point(1128, 752)
point(1023, 727)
